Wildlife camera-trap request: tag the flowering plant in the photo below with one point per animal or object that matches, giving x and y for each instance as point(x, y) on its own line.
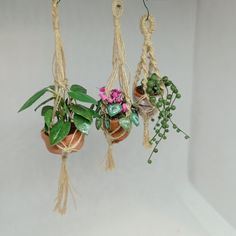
point(114, 106)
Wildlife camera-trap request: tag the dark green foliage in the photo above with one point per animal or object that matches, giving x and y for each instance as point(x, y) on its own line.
point(69, 115)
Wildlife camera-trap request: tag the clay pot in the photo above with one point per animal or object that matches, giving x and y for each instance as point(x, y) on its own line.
point(118, 135)
point(67, 141)
point(145, 104)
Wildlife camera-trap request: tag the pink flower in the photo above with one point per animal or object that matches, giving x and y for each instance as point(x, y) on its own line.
point(103, 96)
point(119, 100)
point(102, 90)
point(124, 107)
point(109, 100)
point(115, 95)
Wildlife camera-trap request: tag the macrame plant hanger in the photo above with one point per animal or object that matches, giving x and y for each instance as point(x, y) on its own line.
point(118, 73)
point(146, 67)
point(61, 87)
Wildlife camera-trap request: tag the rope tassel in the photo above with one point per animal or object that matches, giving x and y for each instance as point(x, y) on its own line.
point(146, 138)
point(110, 164)
point(63, 187)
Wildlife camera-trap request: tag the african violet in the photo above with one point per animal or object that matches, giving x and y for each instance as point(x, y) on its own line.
point(162, 94)
point(114, 107)
point(69, 114)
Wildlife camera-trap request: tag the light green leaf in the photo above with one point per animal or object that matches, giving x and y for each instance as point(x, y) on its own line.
point(114, 109)
point(82, 124)
point(33, 99)
point(82, 97)
point(134, 118)
point(125, 123)
point(59, 131)
point(77, 88)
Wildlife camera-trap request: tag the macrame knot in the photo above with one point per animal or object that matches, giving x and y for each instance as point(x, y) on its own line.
point(62, 84)
point(117, 8)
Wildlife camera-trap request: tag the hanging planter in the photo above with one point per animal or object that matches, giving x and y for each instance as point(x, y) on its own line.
point(153, 94)
point(116, 112)
point(66, 119)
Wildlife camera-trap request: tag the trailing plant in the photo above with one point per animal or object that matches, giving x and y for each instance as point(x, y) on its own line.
point(162, 93)
point(69, 115)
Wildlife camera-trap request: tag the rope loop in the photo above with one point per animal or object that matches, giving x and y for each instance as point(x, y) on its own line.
point(117, 8)
point(147, 26)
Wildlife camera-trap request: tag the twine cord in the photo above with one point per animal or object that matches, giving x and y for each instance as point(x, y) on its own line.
point(61, 88)
point(119, 74)
point(146, 67)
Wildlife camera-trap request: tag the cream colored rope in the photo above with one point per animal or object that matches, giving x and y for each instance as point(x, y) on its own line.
point(118, 59)
point(146, 67)
point(59, 66)
point(61, 86)
point(118, 73)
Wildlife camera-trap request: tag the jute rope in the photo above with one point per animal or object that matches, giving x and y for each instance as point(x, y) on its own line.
point(146, 67)
point(118, 73)
point(61, 87)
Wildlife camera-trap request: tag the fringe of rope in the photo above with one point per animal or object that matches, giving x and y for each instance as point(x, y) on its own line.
point(63, 187)
point(146, 66)
point(118, 72)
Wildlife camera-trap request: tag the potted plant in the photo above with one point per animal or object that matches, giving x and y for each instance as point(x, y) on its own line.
point(162, 94)
point(66, 118)
point(115, 115)
point(115, 110)
point(153, 94)
point(64, 126)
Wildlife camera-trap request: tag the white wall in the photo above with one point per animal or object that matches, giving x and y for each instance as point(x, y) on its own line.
point(212, 155)
point(134, 200)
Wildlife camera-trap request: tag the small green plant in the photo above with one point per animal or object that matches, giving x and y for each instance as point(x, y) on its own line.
point(163, 94)
point(68, 116)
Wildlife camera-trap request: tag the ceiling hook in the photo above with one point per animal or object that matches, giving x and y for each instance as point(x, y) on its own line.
point(145, 5)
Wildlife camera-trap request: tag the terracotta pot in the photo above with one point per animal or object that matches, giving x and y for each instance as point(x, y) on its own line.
point(118, 135)
point(76, 143)
point(145, 104)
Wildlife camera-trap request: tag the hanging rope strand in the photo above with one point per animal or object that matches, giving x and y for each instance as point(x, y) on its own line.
point(59, 66)
point(118, 73)
point(146, 67)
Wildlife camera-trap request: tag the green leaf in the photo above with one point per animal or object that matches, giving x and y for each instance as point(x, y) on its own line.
point(125, 123)
point(81, 124)
point(33, 99)
point(44, 102)
point(48, 116)
point(98, 123)
point(134, 118)
point(114, 109)
point(83, 111)
point(107, 123)
point(59, 131)
point(45, 108)
point(77, 88)
point(82, 97)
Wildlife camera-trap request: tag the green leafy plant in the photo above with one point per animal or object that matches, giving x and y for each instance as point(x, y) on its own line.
point(163, 94)
point(68, 116)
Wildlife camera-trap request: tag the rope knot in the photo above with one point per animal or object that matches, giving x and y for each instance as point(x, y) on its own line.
point(117, 8)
